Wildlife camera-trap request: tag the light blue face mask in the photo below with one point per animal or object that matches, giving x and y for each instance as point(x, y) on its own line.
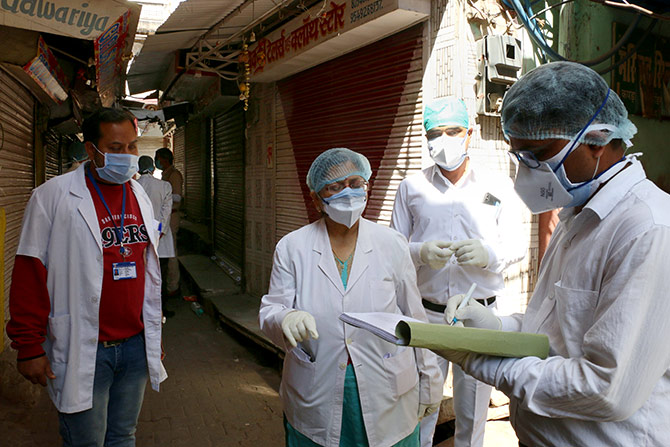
point(118, 168)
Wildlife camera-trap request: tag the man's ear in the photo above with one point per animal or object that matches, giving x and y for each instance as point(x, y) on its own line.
point(597, 151)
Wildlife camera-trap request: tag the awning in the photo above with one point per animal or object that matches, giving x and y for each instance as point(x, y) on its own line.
point(195, 23)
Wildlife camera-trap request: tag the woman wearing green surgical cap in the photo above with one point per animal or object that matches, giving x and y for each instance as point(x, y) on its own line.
point(342, 386)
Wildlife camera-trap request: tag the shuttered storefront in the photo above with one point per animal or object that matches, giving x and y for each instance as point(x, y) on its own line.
point(52, 149)
point(196, 172)
point(178, 149)
point(229, 189)
point(16, 171)
point(368, 101)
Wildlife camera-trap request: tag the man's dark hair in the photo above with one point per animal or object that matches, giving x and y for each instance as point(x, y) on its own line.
point(165, 154)
point(145, 164)
point(91, 125)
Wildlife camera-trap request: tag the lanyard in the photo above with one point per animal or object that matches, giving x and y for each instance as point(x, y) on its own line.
point(119, 231)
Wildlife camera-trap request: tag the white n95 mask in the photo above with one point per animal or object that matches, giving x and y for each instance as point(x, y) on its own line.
point(447, 152)
point(346, 207)
point(547, 187)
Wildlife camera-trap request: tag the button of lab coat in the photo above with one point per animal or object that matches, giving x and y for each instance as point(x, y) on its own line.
point(349, 341)
point(94, 299)
point(343, 366)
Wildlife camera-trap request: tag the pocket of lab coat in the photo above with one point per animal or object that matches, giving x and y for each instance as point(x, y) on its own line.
point(298, 373)
point(575, 309)
point(59, 337)
point(401, 370)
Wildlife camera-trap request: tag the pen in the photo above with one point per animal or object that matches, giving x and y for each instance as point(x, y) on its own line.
point(465, 301)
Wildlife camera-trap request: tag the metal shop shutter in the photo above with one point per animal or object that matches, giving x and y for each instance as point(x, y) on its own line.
point(196, 172)
point(178, 149)
point(16, 167)
point(229, 187)
point(52, 149)
point(368, 101)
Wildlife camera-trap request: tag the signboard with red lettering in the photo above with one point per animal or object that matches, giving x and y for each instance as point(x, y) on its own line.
point(319, 24)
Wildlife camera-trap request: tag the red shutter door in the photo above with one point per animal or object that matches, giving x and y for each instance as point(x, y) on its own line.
point(368, 101)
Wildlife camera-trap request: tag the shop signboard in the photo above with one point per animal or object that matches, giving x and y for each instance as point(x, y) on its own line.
point(643, 80)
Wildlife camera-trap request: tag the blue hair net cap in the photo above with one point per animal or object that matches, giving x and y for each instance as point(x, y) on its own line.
point(336, 164)
point(557, 100)
point(449, 111)
point(145, 164)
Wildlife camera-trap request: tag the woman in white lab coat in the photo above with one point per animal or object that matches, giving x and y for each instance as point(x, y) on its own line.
point(343, 386)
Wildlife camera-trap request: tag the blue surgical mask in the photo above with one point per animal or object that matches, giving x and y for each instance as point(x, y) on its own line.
point(118, 168)
point(158, 164)
point(347, 206)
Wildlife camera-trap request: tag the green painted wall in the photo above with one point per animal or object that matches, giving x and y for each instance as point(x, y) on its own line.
point(587, 33)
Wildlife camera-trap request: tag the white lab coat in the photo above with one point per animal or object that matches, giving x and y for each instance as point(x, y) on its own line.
point(60, 228)
point(392, 380)
point(160, 194)
point(602, 299)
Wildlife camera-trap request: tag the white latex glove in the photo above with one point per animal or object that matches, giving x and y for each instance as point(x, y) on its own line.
point(471, 252)
point(427, 409)
point(472, 315)
point(299, 325)
point(435, 253)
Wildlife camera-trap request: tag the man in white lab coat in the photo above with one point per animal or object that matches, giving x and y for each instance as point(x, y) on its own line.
point(160, 194)
point(85, 295)
point(602, 292)
point(462, 225)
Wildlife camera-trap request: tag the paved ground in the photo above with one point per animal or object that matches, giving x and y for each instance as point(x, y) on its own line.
point(221, 391)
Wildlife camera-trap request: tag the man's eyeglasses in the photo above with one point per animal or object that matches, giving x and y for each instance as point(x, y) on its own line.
point(436, 132)
point(353, 183)
point(525, 157)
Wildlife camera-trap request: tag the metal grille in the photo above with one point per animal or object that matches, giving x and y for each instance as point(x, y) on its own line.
point(229, 189)
point(52, 149)
point(368, 101)
point(196, 172)
point(16, 170)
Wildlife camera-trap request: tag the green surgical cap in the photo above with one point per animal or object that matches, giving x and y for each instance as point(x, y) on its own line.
point(449, 111)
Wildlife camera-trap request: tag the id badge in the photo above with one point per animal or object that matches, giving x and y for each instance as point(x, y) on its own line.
point(124, 270)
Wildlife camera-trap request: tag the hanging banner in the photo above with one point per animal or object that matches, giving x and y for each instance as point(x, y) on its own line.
point(73, 18)
point(46, 72)
point(109, 59)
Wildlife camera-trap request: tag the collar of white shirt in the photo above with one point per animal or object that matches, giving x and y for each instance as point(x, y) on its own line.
point(604, 201)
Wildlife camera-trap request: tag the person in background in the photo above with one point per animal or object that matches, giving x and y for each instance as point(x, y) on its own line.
point(601, 296)
point(343, 386)
point(165, 161)
point(160, 194)
point(462, 225)
point(76, 152)
point(85, 295)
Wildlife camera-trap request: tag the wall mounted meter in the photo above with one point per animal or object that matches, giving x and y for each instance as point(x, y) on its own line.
point(500, 59)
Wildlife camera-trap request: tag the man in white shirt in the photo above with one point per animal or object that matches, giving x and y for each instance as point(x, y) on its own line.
point(160, 194)
point(602, 294)
point(462, 226)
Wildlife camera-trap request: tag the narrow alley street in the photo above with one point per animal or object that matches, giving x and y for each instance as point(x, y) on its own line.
point(221, 391)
